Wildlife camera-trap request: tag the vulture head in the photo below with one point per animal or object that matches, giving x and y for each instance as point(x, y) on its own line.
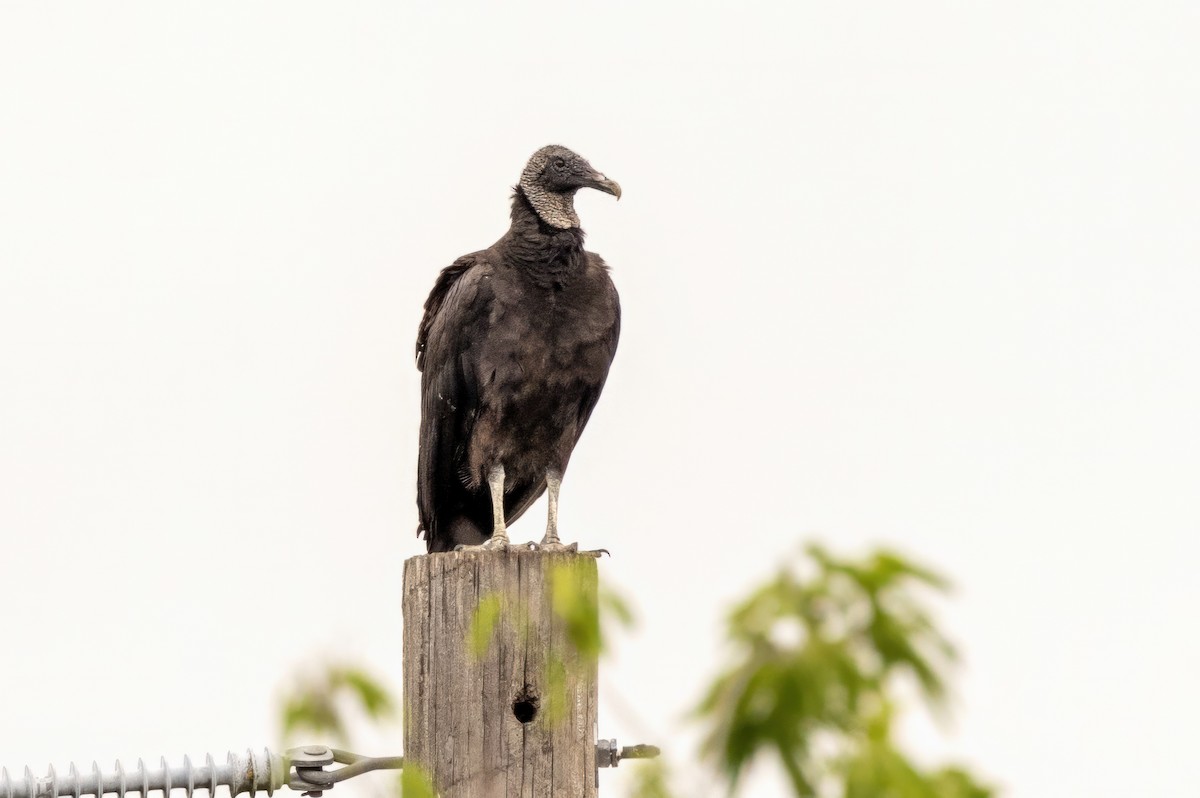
point(550, 181)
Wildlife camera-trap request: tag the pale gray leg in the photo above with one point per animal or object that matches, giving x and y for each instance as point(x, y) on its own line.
point(499, 538)
point(496, 484)
point(551, 542)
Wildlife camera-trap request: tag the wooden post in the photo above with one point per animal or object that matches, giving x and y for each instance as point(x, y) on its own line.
point(497, 700)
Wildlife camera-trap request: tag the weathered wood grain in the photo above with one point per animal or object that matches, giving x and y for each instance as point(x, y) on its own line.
point(459, 721)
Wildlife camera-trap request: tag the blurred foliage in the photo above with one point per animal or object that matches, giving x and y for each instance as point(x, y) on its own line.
point(483, 624)
point(650, 780)
point(816, 660)
point(956, 782)
point(586, 606)
point(579, 602)
point(574, 600)
point(318, 702)
point(573, 595)
point(414, 783)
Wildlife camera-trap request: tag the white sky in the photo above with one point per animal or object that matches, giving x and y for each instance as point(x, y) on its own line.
point(915, 273)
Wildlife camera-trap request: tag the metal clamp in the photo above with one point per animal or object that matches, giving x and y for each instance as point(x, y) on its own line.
point(306, 767)
point(608, 755)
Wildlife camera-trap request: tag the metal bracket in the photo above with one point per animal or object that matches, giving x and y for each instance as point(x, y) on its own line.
point(306, 767)
point(608, 755)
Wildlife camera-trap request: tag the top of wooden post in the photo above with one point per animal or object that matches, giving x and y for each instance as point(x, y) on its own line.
point(500, 688)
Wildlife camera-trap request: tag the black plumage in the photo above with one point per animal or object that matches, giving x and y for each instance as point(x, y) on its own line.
point(514, 349)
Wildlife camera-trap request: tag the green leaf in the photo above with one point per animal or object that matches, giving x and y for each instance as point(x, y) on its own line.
point(374, 697)
point(813, 656)
point(312, 710)
point(316, 704)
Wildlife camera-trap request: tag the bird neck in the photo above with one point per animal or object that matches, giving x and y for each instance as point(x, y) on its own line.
point(538, 245)
point(555, 208)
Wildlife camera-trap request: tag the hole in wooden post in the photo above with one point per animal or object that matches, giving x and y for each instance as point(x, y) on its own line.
point(525, 707)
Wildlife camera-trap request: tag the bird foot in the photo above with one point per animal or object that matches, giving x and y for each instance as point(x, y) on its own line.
point(572, 548)
point(495, 543)
point(553, 545)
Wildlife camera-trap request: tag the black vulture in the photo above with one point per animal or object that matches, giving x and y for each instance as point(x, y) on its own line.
point(514, 349)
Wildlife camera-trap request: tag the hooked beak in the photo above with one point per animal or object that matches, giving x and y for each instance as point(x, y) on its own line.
point(601, 183)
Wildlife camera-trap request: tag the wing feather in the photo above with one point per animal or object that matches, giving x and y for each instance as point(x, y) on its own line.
point(611, 337)
point(456, 312)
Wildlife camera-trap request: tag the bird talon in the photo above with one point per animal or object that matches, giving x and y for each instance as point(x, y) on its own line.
point(491, 544)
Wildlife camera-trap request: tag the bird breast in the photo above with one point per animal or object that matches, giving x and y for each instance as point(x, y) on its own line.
point(546, 350)
point(546, 340)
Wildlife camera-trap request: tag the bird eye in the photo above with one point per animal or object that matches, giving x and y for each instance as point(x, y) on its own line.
point(559, 163)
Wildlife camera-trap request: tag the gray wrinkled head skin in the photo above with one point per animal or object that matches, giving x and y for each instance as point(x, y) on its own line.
point(550, 181)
